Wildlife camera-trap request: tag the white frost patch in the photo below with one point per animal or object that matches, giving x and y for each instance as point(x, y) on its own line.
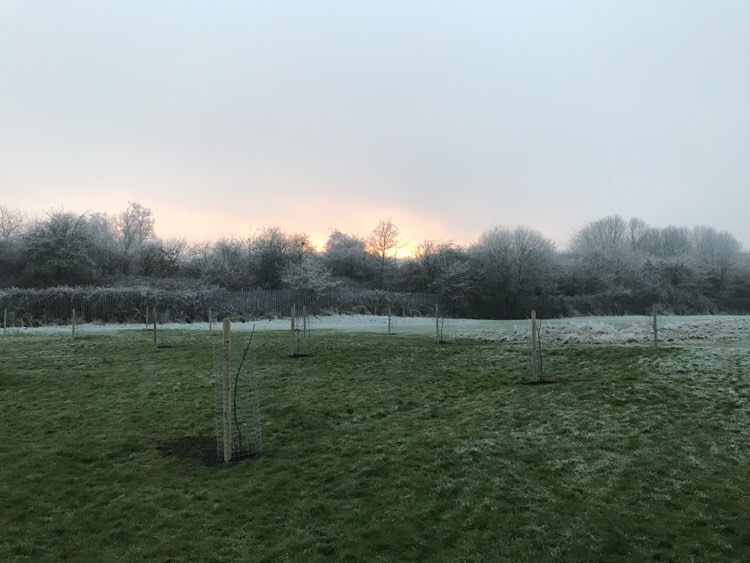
point(628, 330)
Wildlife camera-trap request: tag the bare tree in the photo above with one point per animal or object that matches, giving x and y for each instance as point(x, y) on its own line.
point(606, 234)
point(674, 242)
point(716, 252)
point(512, 267)
point(134, 226)
point(11, 222)
point(382, 242)
point(637, 231)
point(103, 249)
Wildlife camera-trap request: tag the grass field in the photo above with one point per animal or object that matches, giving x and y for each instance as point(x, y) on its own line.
point(376, 448)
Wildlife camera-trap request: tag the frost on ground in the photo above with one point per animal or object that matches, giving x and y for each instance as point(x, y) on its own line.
point(629, 330)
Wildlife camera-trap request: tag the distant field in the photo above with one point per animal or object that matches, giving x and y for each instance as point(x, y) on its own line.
point(383, 447)
point(590, 330)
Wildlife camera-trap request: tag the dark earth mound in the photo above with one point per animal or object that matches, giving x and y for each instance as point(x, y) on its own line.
point(198, 449)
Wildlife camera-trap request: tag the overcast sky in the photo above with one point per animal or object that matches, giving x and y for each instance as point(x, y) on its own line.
point(448, 117)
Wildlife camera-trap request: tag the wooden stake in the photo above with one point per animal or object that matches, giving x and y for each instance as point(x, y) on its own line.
point(73, 322)
point(304, 321)
point(146, 317)
point(5, 320)
point(389, 320)
point(210, 321)
point(155, 344)
point(226, 372)
point(534, 347)
point(656, 330)
point(294, 316)
point(437, 322)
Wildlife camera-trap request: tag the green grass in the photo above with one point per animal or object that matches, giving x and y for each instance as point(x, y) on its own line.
point(376, 448)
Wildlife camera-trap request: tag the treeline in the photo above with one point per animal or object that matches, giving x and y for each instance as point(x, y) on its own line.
point(612, 266)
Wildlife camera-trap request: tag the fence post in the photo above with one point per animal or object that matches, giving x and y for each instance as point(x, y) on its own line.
point(73, 322)
point(389, 319)
point(654, 326)
point(210, 321)
point(227, 390)
point(5, 320)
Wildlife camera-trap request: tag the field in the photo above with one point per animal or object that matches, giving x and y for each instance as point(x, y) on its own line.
point(381, 448)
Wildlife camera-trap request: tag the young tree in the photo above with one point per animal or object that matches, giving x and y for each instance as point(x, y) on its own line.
point(382, 242)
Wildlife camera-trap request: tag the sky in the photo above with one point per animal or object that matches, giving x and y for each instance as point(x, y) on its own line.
point(447, 117)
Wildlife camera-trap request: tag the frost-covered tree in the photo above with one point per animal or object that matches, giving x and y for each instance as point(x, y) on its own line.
point(382, 243)
point(103, 250)
point(271, 251)
point(346, 257)
point(637, 234)
point(512, 267)
point(12, 226)
point(602, 254)
point(12, 222)
point(159, 259)
point(132, 228)
point(443, 268)
point(674, 243)
point(224, 263)
point(57, 251)
point(309, 272)
point(604, 234)
point(716, 254)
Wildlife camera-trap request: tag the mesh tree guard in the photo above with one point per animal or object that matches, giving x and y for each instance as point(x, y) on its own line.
point(299, 345)
point(540, 369)
point(236, 398)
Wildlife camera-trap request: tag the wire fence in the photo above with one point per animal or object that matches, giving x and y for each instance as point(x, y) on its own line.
point(65, 305)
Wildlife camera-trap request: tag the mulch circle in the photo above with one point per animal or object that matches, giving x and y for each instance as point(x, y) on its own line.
point(198, 449)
